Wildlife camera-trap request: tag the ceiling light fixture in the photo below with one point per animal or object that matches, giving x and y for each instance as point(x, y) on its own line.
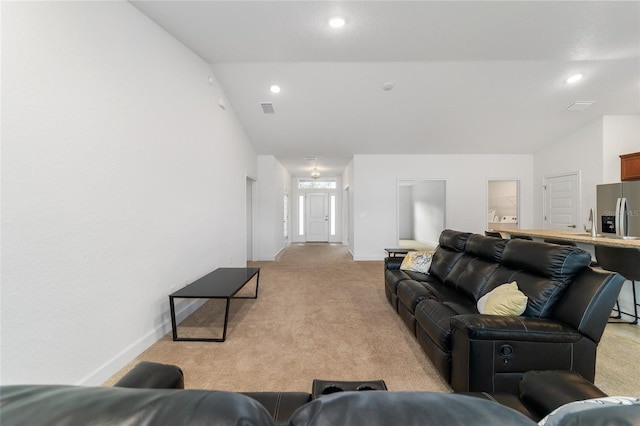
point(574, 78)
point(275, 89)
point(315, 173)
point(337, 22)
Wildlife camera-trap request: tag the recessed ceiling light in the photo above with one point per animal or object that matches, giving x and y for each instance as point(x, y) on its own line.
point(337, 22)
point(574, 78)
point(275, 89)
point(387, 86)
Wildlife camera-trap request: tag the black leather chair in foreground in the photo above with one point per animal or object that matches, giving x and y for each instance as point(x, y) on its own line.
point(540, 392)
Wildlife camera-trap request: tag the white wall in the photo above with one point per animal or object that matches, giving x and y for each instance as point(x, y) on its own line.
point(620, 135)
point(273, 182)
point(577, 152)
point(594, 151)
point(375, 180)
point(429, 215)
point(121, 179)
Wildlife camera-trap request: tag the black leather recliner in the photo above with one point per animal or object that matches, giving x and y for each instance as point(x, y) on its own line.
point(168, 404)
point(567, 309)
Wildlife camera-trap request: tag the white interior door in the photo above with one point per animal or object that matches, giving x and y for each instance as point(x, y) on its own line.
point(562, 203)
point(317, 217)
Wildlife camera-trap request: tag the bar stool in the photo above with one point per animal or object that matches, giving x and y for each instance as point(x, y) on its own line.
point(626, 262)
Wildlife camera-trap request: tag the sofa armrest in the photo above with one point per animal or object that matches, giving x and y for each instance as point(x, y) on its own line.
point(393, 263)
point(496, 327)
point(490, 353)
point(544, 391)
point(151, 375)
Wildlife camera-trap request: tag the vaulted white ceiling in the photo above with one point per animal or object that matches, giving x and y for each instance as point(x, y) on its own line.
point(468, 76)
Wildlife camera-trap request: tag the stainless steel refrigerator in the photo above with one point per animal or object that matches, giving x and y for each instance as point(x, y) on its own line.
point(618, 209)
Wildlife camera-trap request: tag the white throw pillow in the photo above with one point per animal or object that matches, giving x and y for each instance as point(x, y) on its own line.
point(558, 416)
point(505, 299)
point(418, 261)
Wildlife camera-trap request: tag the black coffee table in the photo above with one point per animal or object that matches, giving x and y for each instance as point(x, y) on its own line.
point(223, 283)
point(398, 252)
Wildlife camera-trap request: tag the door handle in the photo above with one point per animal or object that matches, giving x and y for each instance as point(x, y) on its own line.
point(571, 226)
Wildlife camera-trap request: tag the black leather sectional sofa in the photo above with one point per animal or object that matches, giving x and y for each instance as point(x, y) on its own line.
point(567, 309)
point(152, 394)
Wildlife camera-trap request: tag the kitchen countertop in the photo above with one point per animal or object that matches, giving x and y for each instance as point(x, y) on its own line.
point(577, 237)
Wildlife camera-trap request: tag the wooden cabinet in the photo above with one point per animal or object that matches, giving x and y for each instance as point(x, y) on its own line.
point(630, 166)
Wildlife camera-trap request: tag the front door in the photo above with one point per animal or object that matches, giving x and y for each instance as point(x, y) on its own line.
point(318, 217)
point(561, 202)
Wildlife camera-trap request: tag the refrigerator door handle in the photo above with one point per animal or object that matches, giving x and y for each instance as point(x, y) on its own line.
point(618, 223)
point(624, 226)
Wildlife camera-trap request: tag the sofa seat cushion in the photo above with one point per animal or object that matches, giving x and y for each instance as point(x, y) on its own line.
point(393, 276)
point(418, 276)
point(411, 292)
point(434, 318)
point(444, 293)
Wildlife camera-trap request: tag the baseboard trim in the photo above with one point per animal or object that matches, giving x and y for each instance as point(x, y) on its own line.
point(369, 258)
point(115, 364)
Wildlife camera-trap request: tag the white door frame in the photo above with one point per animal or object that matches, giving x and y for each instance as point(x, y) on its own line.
point(249, 197)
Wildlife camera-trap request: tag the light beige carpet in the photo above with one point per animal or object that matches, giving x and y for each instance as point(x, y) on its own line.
point(321, 315)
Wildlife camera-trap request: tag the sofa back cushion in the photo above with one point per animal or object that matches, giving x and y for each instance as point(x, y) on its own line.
point(487, 248)
point(450, 250)
point(543, 272)
point(454, 240)
point(443, 261)
point(470, 274)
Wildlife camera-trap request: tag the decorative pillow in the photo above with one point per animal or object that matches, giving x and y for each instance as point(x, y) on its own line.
point(418, 261)
point(505, 299)
point(564, 413)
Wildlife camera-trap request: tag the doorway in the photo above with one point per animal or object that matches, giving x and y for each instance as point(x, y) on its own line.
point(421, 212)
point(503, 199)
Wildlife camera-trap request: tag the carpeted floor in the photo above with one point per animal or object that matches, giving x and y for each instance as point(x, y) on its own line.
point(321, 315)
